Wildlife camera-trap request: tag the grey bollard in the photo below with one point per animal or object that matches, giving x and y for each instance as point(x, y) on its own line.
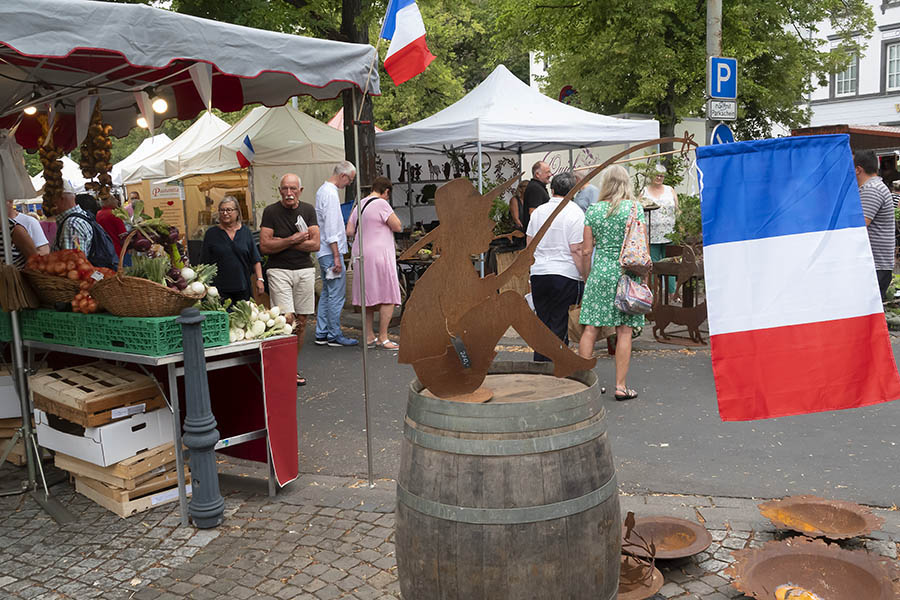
point(207, 506)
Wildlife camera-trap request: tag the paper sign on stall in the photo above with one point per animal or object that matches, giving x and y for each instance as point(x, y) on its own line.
point(169, 198)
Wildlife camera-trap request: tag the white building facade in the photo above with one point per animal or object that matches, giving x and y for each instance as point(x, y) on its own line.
point(868, 91)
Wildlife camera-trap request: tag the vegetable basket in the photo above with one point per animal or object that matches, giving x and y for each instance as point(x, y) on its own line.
point(51, 289)
point(126, 296)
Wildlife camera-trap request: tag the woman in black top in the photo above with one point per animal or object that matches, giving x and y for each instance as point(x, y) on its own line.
point(230, 246)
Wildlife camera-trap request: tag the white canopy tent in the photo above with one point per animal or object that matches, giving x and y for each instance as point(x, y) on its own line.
point(71, 172)
point(503, 113)
point(132, 161)
point(153, 166)
point(284, 140)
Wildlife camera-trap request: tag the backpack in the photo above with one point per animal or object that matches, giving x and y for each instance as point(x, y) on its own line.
point(103, 253)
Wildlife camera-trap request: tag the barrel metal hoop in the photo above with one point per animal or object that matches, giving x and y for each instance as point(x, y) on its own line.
point(505, 423)
point(508, 447)
point(507, 516)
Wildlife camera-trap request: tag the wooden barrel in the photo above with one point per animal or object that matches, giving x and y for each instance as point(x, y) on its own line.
point(515, 498)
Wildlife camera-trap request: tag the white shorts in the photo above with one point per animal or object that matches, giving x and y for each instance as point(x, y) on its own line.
point(293, 291)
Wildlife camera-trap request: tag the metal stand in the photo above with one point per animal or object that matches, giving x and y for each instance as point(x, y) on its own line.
point(207, 507)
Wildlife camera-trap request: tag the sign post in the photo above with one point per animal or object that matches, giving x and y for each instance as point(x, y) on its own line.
point(721, 89)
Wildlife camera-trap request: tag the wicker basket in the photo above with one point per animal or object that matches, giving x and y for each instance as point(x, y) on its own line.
point(126, 296)
point(51, 289)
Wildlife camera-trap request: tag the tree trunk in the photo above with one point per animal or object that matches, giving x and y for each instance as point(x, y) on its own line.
point(354, 30)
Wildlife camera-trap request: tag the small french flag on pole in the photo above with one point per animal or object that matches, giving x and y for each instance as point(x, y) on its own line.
point(408, 55)
point(796, 322)
point(245, 153)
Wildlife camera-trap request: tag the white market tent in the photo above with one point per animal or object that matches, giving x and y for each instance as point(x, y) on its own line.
point(71, 172)
point(504, 113)
point(153, 166)
point(133, 160)
point(284, 140)
point(55, 54)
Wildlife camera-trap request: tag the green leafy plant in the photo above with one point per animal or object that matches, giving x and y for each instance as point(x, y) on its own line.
point(688, 225)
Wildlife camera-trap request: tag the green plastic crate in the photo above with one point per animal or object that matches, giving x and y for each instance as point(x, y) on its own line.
point(5, 326)
point(150, 336)
point(44, 325)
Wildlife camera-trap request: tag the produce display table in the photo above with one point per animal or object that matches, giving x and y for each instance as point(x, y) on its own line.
point(257, 389)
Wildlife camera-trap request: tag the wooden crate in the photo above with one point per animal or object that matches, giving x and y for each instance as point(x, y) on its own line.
point(150, 494)
point(127, 474)
point(95, 394)
point(17, 456)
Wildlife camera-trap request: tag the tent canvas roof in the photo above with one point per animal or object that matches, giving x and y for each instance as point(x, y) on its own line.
point(504, 113)
point(153, 166)
point(280, 136)
point(71, 172)
point(145, 149)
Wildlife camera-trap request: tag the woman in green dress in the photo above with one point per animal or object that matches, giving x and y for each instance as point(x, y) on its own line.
point(604, 231)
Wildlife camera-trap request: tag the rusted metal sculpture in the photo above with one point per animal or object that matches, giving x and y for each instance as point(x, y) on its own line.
point(688, 269)
point(638, 576)
point(817, 517)
point(671, 537)
point(454, 319)
point(820, 570)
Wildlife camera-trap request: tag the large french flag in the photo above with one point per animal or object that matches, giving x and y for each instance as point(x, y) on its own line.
point(408, 55)
point(795, 317)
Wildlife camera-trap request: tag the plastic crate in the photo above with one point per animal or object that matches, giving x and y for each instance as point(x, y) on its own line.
point(5, 326)
point(44, 325)
point(149, 336)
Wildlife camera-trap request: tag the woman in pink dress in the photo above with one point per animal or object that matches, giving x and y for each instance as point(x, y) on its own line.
point(382, 285)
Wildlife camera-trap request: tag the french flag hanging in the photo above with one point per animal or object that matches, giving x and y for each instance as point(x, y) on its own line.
point(245, 153)
point(408, 55)
point(796, 321)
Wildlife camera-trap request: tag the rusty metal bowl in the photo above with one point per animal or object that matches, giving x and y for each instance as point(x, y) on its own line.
point(636, 582)
point(824, 569)
point(673, 537)
point(817, 517)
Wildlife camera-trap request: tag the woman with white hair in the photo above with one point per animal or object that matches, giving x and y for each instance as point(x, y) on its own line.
point(230, 246)
point(663, 220)
point(604, 232)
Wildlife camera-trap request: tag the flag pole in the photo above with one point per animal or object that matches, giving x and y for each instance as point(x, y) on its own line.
point(369, 76)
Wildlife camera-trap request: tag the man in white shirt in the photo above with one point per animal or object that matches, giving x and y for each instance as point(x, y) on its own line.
point(333, 246)
point(32, 226)
point(556, 278)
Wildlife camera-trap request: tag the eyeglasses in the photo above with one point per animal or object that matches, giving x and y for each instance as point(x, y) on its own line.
point(226, 210)
point(286, 188)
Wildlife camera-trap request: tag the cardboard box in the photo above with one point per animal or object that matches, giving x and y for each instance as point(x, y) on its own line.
point(10, 407)
point(107, 444)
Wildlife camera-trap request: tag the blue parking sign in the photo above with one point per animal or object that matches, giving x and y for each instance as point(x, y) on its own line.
point(721, 77)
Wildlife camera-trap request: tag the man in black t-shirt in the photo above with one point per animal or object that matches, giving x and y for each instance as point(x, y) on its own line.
point(288, 232)
point(536, 192)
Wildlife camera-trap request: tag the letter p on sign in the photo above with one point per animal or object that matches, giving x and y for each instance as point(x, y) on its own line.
point(722, 77)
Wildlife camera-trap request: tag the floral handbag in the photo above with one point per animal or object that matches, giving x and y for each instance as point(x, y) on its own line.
point(635, 254)
point(633, 297)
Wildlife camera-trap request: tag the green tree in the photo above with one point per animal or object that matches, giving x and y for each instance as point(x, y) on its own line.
point(649, 56)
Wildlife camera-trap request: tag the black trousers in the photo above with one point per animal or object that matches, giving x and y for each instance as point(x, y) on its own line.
point(552, 296)
point(884, 281)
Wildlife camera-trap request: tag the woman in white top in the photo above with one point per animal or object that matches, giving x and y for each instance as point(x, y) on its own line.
point(662, 222)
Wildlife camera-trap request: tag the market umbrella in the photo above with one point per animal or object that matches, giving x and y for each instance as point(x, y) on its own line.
point(57, 55)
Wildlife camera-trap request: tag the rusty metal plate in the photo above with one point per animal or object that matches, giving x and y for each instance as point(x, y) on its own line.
point(673, 537)
point(638, 580)
point(817, 517)
point(823, 569)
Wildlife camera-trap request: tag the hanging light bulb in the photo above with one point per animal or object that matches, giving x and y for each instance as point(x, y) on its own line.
point(142, 122)
point(159, 105)
point(30, 110)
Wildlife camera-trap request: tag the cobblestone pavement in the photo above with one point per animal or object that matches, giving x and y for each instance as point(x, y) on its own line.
point(321, 538)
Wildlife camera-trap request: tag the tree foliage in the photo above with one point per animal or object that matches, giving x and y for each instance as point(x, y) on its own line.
point(649, 56)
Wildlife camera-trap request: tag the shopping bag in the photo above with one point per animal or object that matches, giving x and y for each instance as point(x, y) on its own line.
point(634, 256)
point(575, 326)
point(633, 297)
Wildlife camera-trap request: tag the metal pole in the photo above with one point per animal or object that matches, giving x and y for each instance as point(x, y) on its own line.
point(362, 291)
point(207, 507)
point(713, 46)
point(480, 191)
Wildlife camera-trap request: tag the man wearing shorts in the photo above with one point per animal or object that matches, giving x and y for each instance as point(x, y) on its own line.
point(288, 232)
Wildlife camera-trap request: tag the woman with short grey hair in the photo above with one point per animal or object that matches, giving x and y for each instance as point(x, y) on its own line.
point(230, 246)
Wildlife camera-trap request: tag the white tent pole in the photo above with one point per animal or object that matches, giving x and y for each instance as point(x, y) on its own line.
point(571, 161)
point(480, 191)
point(360, 276)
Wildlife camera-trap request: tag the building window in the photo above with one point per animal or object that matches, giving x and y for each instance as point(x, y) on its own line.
point(845, 81)
point(893, 67)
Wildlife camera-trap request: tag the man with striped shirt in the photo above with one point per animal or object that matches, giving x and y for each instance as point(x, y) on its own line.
point(878, 210)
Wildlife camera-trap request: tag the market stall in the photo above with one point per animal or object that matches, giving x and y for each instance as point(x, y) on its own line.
point(85, 70)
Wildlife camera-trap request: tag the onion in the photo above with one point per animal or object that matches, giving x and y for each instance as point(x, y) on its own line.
point(274, 311)
point(270, 323)
point(189, 274)
point(288, 329)
point(196, 287)
point(212, 292)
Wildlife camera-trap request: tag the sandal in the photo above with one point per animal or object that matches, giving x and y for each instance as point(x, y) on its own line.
point(623, 393)
point(388, 345)
point(372, 343)
point(301, 381)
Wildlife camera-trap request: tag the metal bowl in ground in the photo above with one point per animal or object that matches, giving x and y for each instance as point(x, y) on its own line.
point(823, 569)
point(673, 537)
point(637, 581)
point(818, 517)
